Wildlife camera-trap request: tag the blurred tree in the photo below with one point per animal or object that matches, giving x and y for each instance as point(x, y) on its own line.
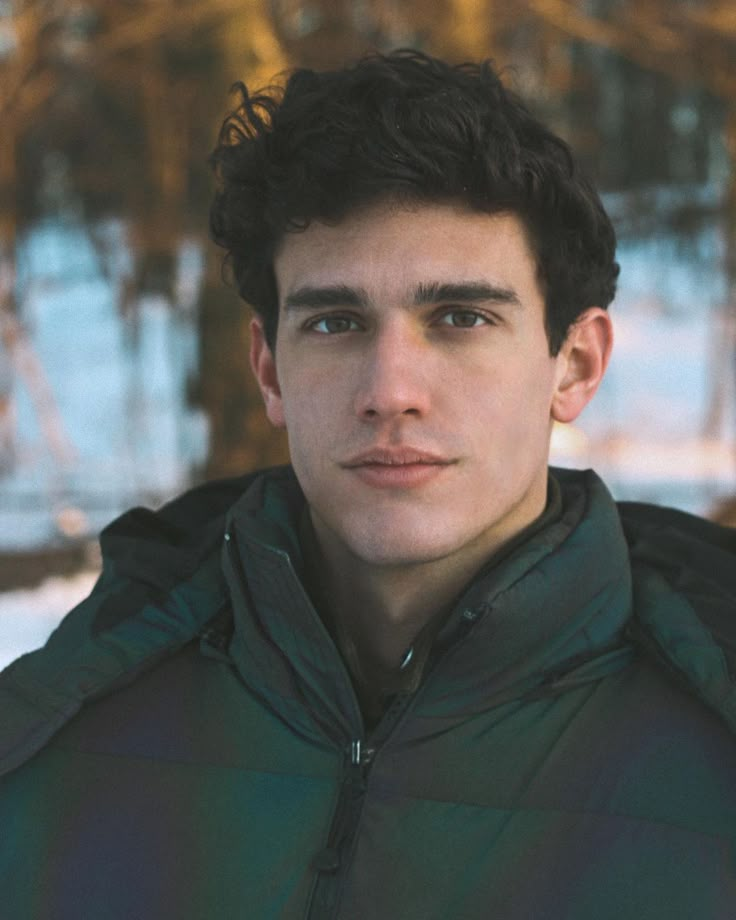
point(118, 99)
point(115, 106)
point(26, 83)
point(688, 49)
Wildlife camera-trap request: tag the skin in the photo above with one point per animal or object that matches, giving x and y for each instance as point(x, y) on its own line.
point(472, 382)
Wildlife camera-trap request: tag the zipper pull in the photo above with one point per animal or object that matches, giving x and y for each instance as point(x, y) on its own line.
point(360, 755)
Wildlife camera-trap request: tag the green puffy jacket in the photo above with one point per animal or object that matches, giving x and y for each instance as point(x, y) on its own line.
point(188, 743)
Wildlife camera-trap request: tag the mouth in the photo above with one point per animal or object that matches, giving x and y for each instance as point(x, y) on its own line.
point(404, 456)
point(397, 468)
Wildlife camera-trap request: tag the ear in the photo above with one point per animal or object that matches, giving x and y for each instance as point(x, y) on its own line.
point(582, 362)
point(263, 365)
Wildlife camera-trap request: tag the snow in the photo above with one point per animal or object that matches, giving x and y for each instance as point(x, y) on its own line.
point(117, 390)
point(645, 430)
point(27, 617)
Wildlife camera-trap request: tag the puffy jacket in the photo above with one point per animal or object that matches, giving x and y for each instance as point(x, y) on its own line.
point(188, 743)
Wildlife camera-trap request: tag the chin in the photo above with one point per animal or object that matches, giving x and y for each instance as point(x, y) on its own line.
point(382, 548)
point(401, 557)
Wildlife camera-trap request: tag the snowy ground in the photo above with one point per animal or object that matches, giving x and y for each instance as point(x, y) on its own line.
point(28, 617)
point(115, 429)
point(134, 438)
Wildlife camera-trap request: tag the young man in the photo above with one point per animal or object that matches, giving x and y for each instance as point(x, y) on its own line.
point(416, 674)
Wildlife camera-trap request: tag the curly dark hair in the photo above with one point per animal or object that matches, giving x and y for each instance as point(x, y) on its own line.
point(408, 127)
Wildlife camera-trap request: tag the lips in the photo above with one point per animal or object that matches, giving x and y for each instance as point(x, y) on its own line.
point(397, 468)
point(404, 456)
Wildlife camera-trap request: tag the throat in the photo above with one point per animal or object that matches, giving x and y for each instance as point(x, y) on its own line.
point(383, 628)
point(382, 663)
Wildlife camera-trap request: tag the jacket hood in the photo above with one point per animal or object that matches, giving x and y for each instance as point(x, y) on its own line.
point(684, 576)
point(161, 584)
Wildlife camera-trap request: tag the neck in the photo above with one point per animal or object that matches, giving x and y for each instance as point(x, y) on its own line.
point(383, 611)
point(382, 608)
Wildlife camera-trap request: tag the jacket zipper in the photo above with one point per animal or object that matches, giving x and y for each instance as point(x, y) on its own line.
point(330, 864)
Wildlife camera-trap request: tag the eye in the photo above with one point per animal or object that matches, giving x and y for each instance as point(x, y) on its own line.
point(331, 325)
point(465, 319)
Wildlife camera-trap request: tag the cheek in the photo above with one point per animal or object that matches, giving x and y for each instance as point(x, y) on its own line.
point(311, 420)
point(317, 403)
point(513, 406)
point(534, 376)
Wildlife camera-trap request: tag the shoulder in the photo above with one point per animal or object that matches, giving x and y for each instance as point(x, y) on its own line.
point(684, 598)
point(161, 586)
point(678, 537)
point(696, 556)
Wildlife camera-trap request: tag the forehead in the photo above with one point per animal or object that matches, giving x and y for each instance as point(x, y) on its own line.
point(388, 250)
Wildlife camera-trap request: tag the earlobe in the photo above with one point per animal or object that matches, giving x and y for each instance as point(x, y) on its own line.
point(583, 360)
point(263, 365)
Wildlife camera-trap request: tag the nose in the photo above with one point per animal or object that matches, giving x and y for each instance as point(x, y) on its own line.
point(392, 379)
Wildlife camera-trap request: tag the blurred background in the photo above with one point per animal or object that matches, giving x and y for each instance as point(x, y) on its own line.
point(123, 355)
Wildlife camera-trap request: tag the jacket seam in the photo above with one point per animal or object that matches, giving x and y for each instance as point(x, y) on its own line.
point(189, 763)
point(619, 816)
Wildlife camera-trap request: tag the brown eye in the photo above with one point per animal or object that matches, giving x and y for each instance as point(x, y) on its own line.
point(332, 325)
point(463, 319)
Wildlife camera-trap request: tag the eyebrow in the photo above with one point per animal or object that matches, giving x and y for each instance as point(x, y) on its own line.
point(334, 295)
point(342, 295)
point(465, 292)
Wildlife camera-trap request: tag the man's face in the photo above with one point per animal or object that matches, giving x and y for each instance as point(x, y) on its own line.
point(403, 332)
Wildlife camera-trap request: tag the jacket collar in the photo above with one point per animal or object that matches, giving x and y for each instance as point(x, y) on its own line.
point(282, 649)
point(558, 601)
